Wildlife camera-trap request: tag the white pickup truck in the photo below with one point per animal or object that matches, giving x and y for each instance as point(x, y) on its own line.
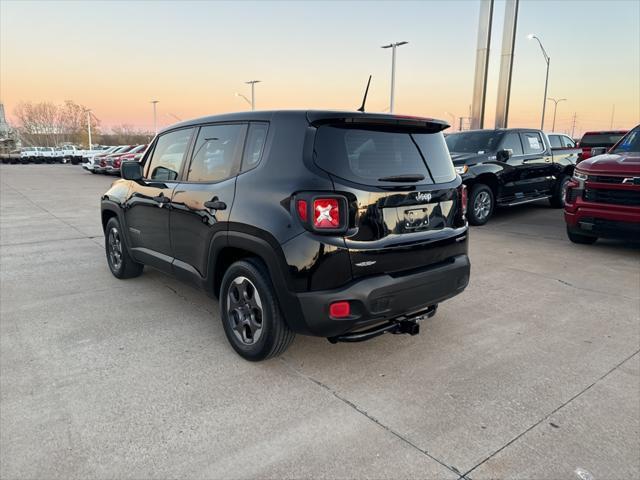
point(28, 154)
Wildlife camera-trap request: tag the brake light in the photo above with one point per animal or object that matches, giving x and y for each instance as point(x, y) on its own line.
point(339, 310)
point(326, 213)
point(463, 198)
point(302, 210)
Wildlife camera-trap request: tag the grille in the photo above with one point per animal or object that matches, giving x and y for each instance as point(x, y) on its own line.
point(605, 179)
point(616, 197)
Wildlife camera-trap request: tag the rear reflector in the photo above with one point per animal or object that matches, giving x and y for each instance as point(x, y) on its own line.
point(302, 210)
point(339, 310)
point(463, 198)
point(326, 213)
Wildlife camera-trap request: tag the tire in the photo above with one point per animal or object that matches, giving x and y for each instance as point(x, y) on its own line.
point(481, 204)
point(581, 239)
point(557, 200)
point(93, 171)
point(248, 281)
point(120, 262)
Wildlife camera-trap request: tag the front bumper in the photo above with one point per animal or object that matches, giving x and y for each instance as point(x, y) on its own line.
point(384, 297)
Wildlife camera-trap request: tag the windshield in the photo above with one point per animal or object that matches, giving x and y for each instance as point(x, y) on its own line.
point(371, 155)
point(473, 142)
point(600, 139)
point(630, 143)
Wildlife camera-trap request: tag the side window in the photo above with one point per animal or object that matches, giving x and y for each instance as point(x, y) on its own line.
point(254, 145)
point(532, 142)
point(215, 156)
point(568, 143)
point(168, 154)
point(512, 142)
point(555, 142)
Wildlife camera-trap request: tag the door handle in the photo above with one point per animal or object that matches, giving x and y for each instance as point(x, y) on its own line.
point(215, 205)
point(161, 199)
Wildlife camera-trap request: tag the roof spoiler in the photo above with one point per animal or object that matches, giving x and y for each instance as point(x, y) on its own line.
point(430, 125)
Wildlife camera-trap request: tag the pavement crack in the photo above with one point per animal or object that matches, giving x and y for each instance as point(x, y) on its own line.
point(543, 419)
point(371, 418)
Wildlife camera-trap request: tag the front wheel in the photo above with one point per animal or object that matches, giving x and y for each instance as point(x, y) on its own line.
point(559, 196)
point(581, 239)
point(120, 262)
point(250, 312)
point(481, 204)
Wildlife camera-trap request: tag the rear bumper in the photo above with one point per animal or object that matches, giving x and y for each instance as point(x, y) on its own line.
point(384, 297)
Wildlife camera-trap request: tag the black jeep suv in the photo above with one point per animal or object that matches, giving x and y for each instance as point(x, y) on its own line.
point(344, 225)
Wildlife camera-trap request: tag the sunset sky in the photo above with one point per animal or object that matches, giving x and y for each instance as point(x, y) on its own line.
point(116, 56)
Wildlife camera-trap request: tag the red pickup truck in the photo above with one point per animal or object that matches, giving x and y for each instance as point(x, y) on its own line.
point(606, 139)
point(603, 197)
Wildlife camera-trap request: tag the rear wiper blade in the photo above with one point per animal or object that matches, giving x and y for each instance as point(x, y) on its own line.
point(415, 177)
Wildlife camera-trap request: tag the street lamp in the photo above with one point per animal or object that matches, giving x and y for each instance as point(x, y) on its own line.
point(547, 59)
point(253, 92)
point(242, 96)
point(88, 112)
point(555, 107)
point(393, 47)
point(155, 117)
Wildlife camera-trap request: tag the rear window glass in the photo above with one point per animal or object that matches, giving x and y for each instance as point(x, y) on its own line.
point(370, 155)
point(600, 139)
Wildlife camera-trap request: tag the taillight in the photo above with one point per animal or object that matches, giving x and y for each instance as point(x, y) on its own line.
point(326, 213)
point(339, 310)
point(323, 213)
point(463, 198)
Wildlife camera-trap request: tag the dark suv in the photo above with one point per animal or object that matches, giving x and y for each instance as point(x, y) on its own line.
point(333, 224)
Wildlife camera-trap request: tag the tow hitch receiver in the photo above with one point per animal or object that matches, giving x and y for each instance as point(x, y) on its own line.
point(402, 324)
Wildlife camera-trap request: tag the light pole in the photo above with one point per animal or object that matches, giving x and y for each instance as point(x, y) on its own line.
point(393, 47)
point(243, 97)
point(253, 92)
point(155, 116)
point(88, 112)
point(555, 107)
point(547, 59)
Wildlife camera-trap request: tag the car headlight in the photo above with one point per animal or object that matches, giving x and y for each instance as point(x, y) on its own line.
point(462, 169)
point(580, 176)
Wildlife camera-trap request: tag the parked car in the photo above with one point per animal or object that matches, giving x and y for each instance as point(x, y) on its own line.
point(606, 139)
point(28, 154)
point(113, 161)
point(561, 141)
point(87, 156)
point(343, 225)
point(603, 197)
point(507, 167)
point(99, 160)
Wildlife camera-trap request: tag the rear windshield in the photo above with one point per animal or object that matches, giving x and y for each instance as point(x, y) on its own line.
point(369, 155)
point(600, 139)
point(631, 142)
point(474, 142)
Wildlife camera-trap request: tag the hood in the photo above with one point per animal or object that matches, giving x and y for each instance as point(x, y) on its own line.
point(623, 164)
point(468, 158)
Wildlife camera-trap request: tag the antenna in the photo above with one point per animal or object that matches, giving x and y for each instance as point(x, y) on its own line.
point(364, 100)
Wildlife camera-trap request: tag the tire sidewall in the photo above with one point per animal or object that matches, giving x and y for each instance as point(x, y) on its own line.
point(475, 191)
point(261, 348)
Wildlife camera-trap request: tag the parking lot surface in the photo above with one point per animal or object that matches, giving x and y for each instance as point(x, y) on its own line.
point(533, 372)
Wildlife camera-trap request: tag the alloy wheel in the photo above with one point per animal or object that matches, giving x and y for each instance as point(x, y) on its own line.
point(244, 310)
point(482, 205)
point(115, 248)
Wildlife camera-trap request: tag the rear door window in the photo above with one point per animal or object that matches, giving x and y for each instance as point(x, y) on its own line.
point(217, 153)
point(532, 142)
point(368, 156)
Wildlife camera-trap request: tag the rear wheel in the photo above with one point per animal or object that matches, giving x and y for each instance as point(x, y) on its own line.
point(481, 204)
point(120, 262)
point(559, 196)
point(250, 312)
point(582, 239)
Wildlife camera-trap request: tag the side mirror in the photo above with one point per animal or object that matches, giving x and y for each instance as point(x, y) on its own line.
point(598, 151)
point(504, 155)
point(131, 170)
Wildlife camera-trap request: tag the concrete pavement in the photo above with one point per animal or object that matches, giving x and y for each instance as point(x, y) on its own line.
point(533, 372)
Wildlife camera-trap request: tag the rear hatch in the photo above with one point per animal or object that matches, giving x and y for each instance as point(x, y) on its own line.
point(404, 195)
